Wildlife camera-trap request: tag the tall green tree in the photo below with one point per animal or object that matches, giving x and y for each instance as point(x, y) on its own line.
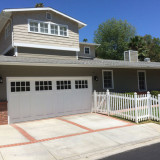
point(113, 35)
point(139, 44)
point(147, 46)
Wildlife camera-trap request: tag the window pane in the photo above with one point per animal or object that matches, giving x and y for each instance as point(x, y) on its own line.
point(43, 27)
point(107, 79)
point(34, 26)
point(142, 84)
point(54, 29)
point(63, 31)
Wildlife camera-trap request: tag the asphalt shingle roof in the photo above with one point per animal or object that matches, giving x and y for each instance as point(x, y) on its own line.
point(8, 60)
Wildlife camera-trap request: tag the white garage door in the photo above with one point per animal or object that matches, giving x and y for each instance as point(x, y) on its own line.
point(31, 98)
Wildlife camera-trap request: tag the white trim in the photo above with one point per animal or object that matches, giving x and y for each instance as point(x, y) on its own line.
point(29, 45)
point(85, 50)
point(81, 24)
point(16, 51)
point(145, 80)
point(6, 50)
point(49, 28)
point(103, 78)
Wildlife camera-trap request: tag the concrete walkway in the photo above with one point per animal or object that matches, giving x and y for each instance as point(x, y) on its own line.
point(86, 136)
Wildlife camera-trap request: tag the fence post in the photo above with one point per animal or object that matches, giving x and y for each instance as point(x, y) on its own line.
point(108, 102)
point(149, 104)
point(136, 111)
point(159, 105)
point(95, 101)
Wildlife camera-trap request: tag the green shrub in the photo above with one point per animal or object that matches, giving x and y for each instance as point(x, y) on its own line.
point(155, 93)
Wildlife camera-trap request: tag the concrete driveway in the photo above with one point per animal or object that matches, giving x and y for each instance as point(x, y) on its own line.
point(70, 137)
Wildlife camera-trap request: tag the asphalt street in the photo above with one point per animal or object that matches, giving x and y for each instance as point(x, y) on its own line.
point(151, 152)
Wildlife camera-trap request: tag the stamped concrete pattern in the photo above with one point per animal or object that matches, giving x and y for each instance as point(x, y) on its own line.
point(69, 138)
point(49, 128)
point(76, 145)
point(95, 121)
point(9, 135)
point(27, 152)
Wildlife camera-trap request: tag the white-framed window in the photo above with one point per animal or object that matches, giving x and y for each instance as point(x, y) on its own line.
point(142, 85)
point(8, 30)
point(44, 27)
point(54, 29)
point(48, 16)
point(47, 28)
point(86, 50)
point(63, 30)
point(107, 76)
point(33, 26)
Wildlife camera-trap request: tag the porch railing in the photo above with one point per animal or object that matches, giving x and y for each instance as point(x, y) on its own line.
point(132, 107)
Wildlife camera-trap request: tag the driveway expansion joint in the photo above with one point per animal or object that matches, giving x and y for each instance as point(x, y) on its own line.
point(24, 133)
point(78, 125)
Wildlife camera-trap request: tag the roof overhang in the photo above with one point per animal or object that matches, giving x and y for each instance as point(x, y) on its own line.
point(90, 44)
point(6, 13)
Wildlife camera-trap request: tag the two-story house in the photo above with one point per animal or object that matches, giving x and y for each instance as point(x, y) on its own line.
point(46, 72)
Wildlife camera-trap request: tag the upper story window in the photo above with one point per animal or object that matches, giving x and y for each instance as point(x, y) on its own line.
point(8, 30)
point(44, 27)
point(54, 29)
point(48, 28)
point(63, 30)
point(48, 16)
point(34, 26)
point(87, 50)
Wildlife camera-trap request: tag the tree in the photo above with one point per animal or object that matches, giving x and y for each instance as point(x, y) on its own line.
point(38, 5)
point(147, 46)
point(139, 44)
point(85, 40)
point(113, 35)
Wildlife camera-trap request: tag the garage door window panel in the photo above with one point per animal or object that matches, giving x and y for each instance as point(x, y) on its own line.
point(61, 85)
point(81, 84)
point(20, 86)
point(43, 85)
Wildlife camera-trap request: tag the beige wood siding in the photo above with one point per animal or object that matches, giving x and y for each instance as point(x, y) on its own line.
point(45, 53)
point(92, 51)
point(21, 34)
point(5, 43)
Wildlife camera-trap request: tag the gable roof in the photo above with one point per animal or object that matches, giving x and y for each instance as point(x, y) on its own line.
point(6, 14)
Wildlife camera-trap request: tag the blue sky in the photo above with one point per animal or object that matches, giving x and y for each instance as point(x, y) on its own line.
point(143, 14)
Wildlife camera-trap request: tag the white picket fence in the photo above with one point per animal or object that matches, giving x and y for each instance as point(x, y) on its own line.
point(132, 107)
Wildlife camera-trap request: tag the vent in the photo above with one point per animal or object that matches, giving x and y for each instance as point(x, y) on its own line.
point(131, 56)
point(147, 60)
point(48, 16)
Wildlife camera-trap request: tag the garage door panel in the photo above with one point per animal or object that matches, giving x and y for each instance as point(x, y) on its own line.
point(25, 108)
point(40, 97)
point(14, 111)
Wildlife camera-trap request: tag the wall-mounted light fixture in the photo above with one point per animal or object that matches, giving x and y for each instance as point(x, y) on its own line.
point(1, 79)
point(96, 78)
